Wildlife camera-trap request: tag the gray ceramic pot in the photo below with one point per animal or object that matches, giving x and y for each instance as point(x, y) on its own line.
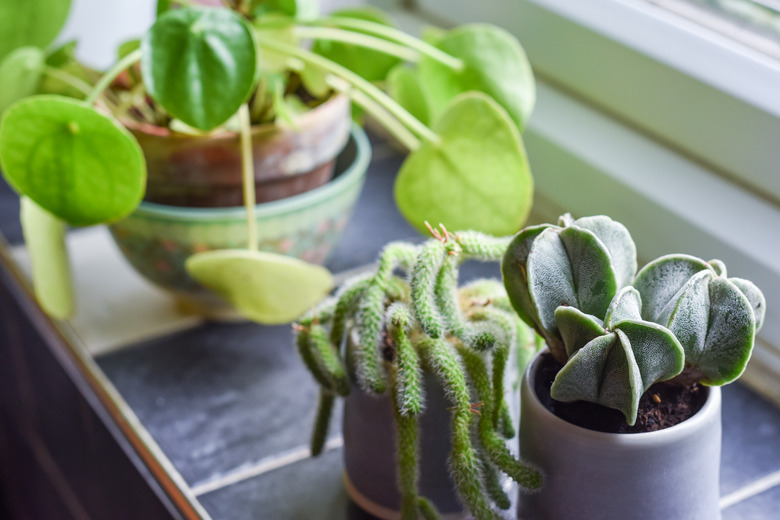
point(670, 474)
point(370, 453)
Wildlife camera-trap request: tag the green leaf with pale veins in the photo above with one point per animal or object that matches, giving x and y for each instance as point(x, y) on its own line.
point(31, 23)
point(200, 64)
point(20, 75)
point(477, 176)
point(44, 236)
point(264, 287)
point(494, 63)
point(577, 328)
point(71, 160)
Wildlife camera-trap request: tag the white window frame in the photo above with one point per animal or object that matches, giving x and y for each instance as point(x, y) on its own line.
point(684, 149)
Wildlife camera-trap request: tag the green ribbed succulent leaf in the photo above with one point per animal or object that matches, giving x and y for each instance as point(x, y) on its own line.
point(577, 328)
point(714, 318)
point(613, 366)
point(580, 265)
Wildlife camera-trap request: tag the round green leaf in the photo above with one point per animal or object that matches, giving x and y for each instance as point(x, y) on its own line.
point(265, 287)
point(372, 65)
point(31, 22)
point(494, 63)
point(20, 75)
point(71, 160)
point(200, 64)
point(44, 235)
point(476, 177)
point(403, 84)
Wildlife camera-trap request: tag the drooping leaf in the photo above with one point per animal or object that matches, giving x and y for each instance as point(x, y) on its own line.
point(265, 287)
point(31, 23)
point(403, 85)
point(44, 235)
point(626, 305)
point(127, 47)
point(577, 328)
point(20, 75)
point(661, 279)
point(372, 65)
point(200, 64)
point(477, 176)
point(63, 54)
point(71, 160)
point(281, 30)
point(495, 64)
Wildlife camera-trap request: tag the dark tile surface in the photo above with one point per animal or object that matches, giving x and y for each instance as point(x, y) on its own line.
point(218, 397)
point(9, 213)
point(751, 438)
point(764, 506)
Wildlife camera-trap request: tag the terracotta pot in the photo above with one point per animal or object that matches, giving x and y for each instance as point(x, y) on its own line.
point(205, 171)
point(668, 474)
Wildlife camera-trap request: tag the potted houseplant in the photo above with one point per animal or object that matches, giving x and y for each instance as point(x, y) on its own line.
point(203, 70)
point(622, 413)
point(412, 351)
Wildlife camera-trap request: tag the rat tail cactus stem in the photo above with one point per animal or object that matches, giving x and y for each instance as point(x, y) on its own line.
point(397, 327)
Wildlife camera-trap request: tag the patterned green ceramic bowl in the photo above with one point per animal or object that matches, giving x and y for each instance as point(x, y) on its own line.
point(157, 239)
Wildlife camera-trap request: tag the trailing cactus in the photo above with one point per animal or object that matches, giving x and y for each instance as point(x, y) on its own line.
point(683, 319)
point(421, 320)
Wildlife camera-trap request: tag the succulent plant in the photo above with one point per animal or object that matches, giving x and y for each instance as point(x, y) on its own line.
point(714, 317)
point(682, 319)
point(614, 361)
point(402, 325)
point(580, 263)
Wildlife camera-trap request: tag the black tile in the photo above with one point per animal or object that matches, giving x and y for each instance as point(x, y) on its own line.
point(311, 489)
point(764, 506)
point(9, 213)
point(751, 438)
point(218, 397)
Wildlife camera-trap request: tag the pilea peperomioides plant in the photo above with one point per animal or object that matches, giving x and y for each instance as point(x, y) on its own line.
point(683, 320)
point(396, 329)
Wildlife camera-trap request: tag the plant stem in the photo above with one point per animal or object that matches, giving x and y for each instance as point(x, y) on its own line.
point(356, 81)
point(363, 40)
point(248, 171)
point(109, 76)
point(391, 33)
point(399, 131)
point(68, 78)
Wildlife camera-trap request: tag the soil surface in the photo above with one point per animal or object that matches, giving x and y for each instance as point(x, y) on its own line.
point(662, 406)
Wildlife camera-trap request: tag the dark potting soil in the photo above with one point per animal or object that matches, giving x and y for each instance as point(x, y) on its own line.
point(662, 406)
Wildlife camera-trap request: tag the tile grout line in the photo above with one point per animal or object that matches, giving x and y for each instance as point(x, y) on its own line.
point(266, 465)
point(754, 488)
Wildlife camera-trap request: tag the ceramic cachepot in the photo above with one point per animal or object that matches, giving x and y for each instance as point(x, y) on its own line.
point(157, 239)
point(659, 475)
point(205, 170)
point(370, 464)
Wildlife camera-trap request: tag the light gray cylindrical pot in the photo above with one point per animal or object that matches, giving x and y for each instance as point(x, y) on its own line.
point(670, 474)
